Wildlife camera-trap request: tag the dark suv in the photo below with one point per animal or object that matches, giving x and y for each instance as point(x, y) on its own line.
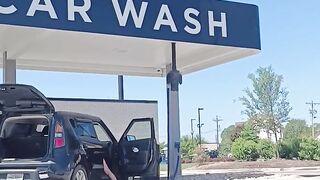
point(38, 143)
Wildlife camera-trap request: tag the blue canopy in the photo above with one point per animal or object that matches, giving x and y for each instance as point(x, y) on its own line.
point(126, 36)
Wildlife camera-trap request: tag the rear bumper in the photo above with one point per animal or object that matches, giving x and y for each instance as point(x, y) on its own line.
point(28, 171)
point(28, 174)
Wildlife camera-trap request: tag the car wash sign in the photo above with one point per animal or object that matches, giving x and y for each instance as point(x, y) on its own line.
point(213, 22)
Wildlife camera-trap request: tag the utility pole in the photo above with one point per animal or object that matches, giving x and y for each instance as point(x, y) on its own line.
point(312, 112)
point(217, 120)
point(192, 131)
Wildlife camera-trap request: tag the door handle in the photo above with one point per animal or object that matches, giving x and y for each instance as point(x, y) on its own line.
point(135, 150)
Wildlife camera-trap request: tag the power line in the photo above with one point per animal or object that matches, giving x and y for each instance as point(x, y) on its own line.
point(217, 120)
point(312, 112)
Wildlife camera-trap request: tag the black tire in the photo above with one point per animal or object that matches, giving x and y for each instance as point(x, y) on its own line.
point(79, 173)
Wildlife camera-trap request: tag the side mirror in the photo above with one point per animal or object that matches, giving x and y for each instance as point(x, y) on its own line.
point(131, 138)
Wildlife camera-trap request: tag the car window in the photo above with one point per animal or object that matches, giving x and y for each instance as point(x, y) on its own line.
point(139, 130)
point(21, 130)
point(85, 129)
point(40, 127)
point(102, 135)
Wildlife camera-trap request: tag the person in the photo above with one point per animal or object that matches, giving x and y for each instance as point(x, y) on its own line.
point(108, 171)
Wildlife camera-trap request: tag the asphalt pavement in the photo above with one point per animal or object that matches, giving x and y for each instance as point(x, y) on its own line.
point(299, 173)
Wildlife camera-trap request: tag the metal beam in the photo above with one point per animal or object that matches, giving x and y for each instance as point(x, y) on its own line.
point(9, 69)
point(120, 87)
point(174, 79)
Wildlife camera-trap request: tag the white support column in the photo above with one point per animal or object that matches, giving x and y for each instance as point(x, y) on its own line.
point(174, 79)
point(9, 69)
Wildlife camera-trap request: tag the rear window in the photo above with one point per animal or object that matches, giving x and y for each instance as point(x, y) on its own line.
point(25, 137)
point(24, 127)
point(20, 130)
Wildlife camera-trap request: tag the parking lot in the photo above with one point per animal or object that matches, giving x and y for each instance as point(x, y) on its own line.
point(273, 169)
point(309, 173)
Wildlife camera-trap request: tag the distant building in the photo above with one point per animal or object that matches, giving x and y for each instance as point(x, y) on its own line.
point(263, 134)
point(239, 124)
point(210, 147)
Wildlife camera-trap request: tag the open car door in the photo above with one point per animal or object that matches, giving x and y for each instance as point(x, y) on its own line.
point(138, 150)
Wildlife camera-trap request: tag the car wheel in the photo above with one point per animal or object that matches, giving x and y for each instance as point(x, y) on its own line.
point(79, 173)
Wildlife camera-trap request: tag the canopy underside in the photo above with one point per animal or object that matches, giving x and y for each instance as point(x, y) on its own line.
point(66, 51)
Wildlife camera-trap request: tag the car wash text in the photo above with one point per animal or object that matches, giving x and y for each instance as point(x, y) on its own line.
point(211, 22)
point(130, 11)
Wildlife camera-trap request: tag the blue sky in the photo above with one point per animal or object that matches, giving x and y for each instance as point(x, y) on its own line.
point(290, 43)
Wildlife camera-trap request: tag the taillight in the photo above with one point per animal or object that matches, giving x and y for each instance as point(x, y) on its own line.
point(59, 136)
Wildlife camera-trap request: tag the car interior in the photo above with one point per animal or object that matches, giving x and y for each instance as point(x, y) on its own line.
point(24, 137)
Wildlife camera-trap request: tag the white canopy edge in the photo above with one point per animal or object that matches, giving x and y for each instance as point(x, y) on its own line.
point(65, 51)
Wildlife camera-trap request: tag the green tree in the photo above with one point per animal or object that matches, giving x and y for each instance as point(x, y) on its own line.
point(294, 132)
point(316, 129)
point(266, 149)
point(296, 128)
point(203, 140)
point(289, 149)
point(243, 149)
point(188, 147)
point(228, 137)
point(309, 149)
point(266, 104)
point(249, 133)
point(236, 132)
point(226, 142)
point(226, 133)
point(246, 146)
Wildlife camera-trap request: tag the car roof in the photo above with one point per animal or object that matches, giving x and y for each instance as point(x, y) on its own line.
point(79, 115)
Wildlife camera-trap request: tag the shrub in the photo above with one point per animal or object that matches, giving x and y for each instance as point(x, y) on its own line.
point(284, 150)
point(226, 141)
point(243, 149)
point(289, 149)
point(266, 149)
point(249, 133)
point(201, 157)
point(225, 148)
point(188, 147)
point(309, 149)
